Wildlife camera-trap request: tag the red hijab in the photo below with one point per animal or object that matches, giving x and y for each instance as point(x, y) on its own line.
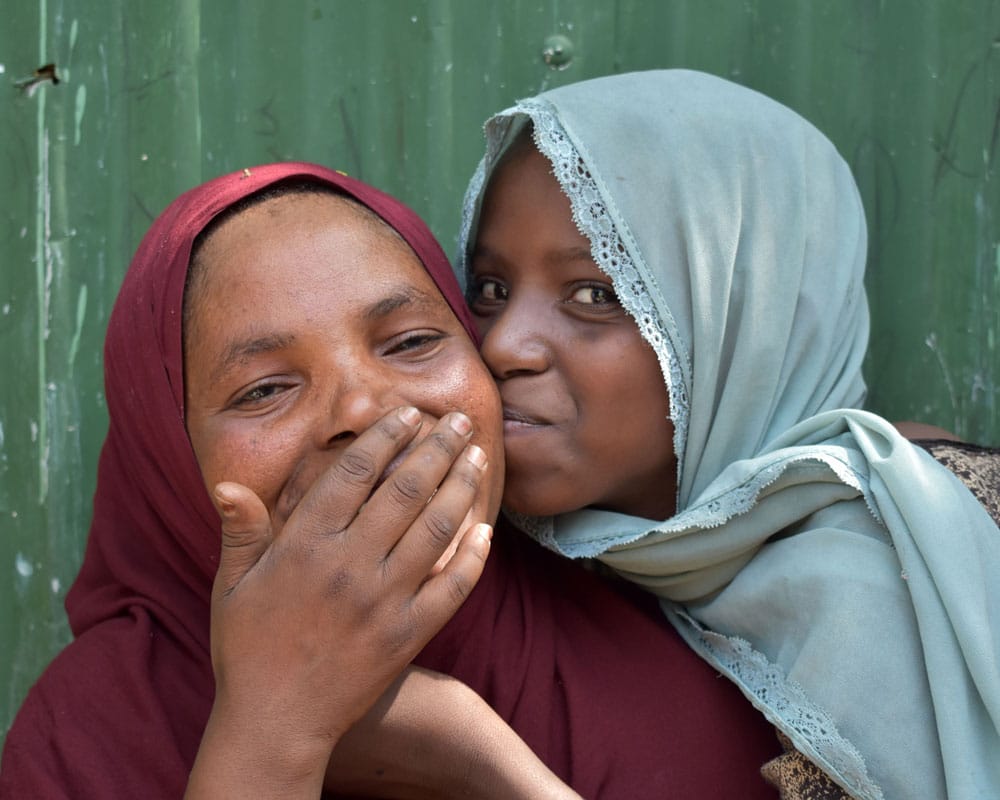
point(135, 687)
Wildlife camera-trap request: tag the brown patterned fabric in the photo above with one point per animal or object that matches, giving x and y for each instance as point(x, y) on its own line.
point(976, 466)
point(797, 778)
point(792, 774)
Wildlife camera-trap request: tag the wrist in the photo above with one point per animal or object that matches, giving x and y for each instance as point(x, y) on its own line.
point(258, 756)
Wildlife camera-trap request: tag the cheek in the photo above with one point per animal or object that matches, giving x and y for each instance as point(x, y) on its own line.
point(644, 415)
point(631, 397)
point(260, 459)
point(480, 400)
point(465, 385)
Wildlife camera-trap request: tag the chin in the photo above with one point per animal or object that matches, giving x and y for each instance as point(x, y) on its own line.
point(534, 503)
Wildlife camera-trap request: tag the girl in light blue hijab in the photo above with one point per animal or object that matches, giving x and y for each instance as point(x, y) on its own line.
point(844, 580)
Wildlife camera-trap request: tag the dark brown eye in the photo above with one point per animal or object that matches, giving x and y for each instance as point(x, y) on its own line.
point(258, 393)
point(594, 295)
point(491, 291)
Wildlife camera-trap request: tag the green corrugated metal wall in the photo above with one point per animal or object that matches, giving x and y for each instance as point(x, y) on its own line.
point(154, 97)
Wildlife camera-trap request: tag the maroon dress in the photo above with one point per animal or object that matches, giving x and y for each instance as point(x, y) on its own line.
point(599, 684)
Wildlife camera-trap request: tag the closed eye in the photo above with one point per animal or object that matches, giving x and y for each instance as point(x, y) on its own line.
point(258, 394)
point(418, 342)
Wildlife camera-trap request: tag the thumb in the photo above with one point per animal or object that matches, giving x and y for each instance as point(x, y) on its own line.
point(246, 533)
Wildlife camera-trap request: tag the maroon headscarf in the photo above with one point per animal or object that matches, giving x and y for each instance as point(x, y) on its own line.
point(135, 687)
point(121, 710)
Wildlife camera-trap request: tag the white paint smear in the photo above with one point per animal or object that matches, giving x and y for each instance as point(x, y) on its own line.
point(23, 566)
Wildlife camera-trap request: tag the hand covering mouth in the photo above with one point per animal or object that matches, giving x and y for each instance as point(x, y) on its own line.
point(391, 467)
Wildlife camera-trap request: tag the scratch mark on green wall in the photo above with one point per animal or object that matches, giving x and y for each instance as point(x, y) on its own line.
point(41, 260)
point(81, 312)
point(81, 105)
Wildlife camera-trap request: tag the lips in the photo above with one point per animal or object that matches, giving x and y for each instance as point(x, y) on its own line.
point(522, 417)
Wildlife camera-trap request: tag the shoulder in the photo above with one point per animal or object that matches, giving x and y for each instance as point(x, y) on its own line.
point(97, 723)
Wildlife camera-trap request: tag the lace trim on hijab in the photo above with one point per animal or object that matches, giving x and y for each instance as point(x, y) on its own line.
point(715, 512)
point(782, 701)
point(470, 206)
point(597, 223)
point(594, 220)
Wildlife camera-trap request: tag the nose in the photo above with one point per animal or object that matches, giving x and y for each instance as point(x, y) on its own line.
point(354, 403)
point(515, 338)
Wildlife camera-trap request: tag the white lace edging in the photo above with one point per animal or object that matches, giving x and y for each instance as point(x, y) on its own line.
point(716, 511)
point(608, 241)
point(783, 702)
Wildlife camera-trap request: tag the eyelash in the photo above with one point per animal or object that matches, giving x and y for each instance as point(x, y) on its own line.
point(415, 341)
point(262, 392)
point(478, 288)
point(248, 398)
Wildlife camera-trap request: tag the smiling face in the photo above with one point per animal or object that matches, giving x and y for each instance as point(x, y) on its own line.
point(309, 320)
point(586, 413)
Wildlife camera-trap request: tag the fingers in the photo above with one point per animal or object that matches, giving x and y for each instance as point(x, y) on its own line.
point(415, 515)
point(334, 499)
point(440, 597)
point(443, 519)
point(246, 533)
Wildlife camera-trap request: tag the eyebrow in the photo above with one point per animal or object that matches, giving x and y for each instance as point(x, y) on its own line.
point(245, 349)
point(554, 257)
point(241, 351)
point(401, 299)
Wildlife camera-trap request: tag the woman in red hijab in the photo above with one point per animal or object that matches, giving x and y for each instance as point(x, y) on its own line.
point(123, 710)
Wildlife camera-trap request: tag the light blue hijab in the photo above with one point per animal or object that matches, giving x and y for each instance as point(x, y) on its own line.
point(844, 580)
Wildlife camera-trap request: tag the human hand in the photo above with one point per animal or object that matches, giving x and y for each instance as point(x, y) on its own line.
point(310, 624)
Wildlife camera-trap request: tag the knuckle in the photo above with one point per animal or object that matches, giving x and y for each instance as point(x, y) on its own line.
point(406, 488)
point(441, 527)
point(444, 443)
point(338, 583)
point(392, 428)
point(357, 466)
point(399, 638)
point(458, 587)
point(470, 480)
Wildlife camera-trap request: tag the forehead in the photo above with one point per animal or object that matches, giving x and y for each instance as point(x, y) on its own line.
point(305, 212)
point(277, 233)
point(318, 252)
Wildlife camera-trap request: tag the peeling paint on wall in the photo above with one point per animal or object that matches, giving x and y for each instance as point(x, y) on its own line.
point(81, 313)
point(80, 107)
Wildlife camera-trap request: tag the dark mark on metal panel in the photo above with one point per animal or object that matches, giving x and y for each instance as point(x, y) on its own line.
point(44, 74)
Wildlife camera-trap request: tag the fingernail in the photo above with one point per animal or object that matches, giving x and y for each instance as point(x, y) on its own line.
point(476, 455)
point(226, 506)
point(409, 415)
point(460, 423)
point(484, 531)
